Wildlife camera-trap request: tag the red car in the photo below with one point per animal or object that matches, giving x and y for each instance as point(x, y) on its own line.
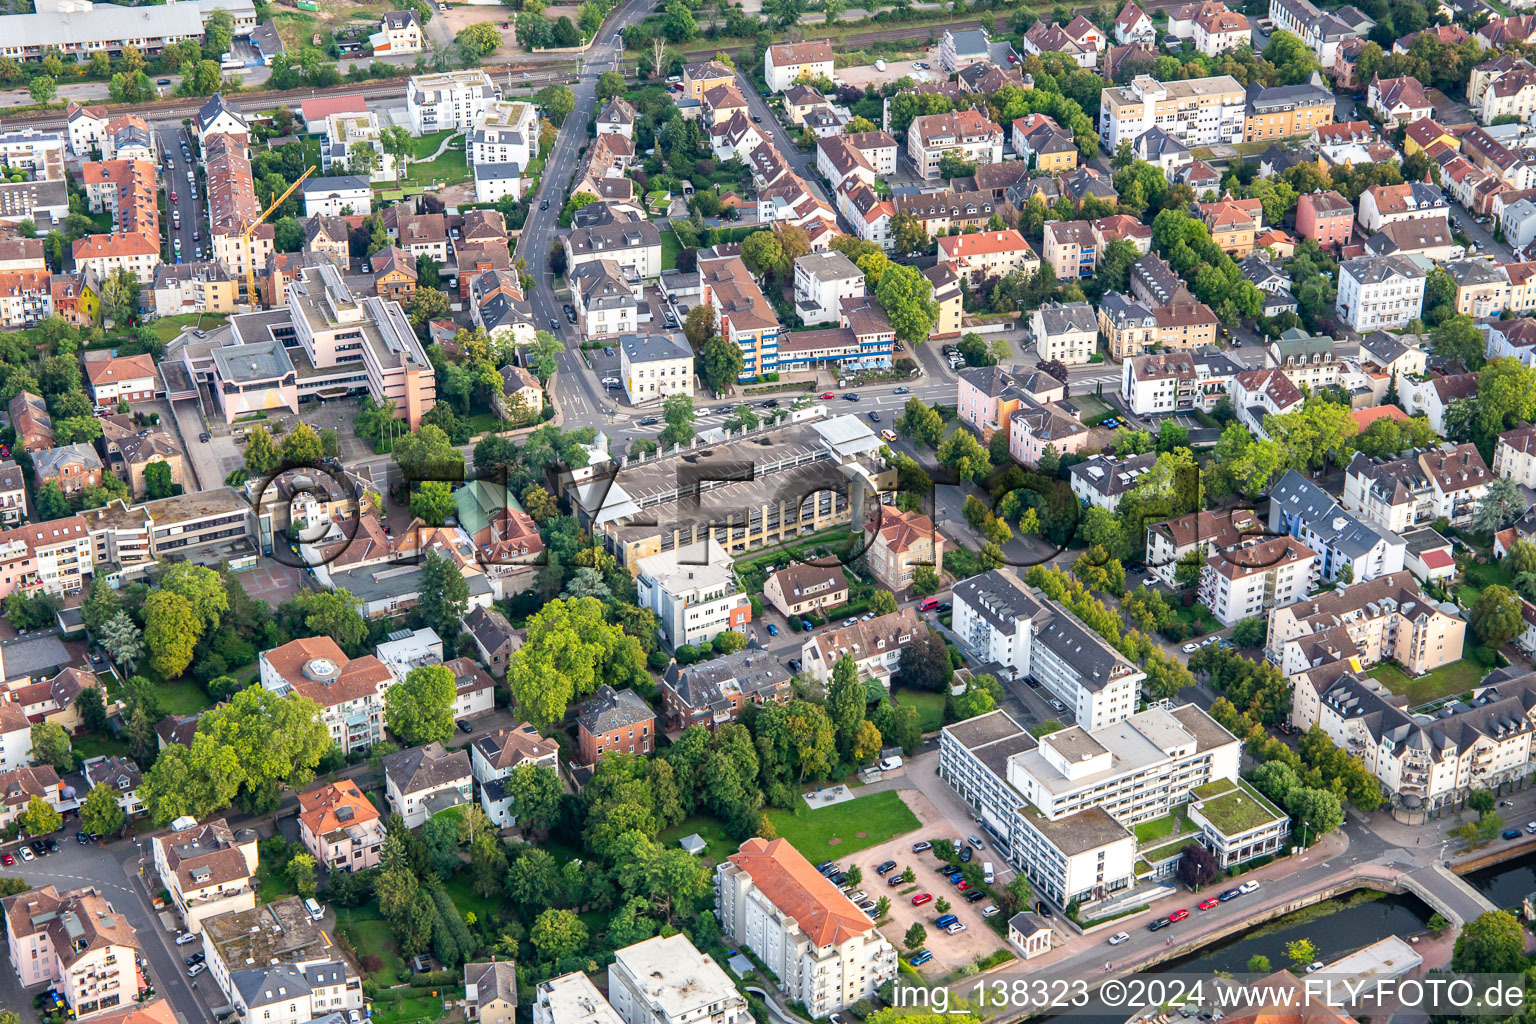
point(827, 396)
point(921, 898)
point(1178, 915)
point(1208, 904)
point(7, 860)
point(963, 886)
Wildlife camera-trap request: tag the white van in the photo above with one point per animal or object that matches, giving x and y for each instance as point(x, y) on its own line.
point(986, 873)
point(315, 912)
point(890, 764)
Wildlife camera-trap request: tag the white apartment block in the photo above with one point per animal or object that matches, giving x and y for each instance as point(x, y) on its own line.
point(1299, 507)
point(824, 950)
point(1379, 293)
point(1204, 531)
point(785, 63)
point(346, 135)
point(1514, 455)
point(822, 281)
point(1196, 112)
point(1248, 580)
point(997, 619)
point(693, 592)
point(507, 132)
point(78, 942)
point(572, 999)
point(448, 100)
point(1398, 494)
point(666, 980)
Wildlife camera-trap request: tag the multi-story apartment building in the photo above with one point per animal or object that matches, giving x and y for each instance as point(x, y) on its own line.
point(825, 952)
point(713, 693)
point(1388, 618)
point(629, 241)
point(1218, 30)
point(701, 77)
point(1131, 327)
point(54, 558)
point(1379, 293)
point(1398, 494)
point(1174, 381)
point(495, 755)
point(786, 63)
point(350, 691)
point(653, 366)
point(346, 136)
point(568, 999)
point(1196, 112)
point(506, 132)
point(822, 281)
point(1425, 767)
point(745, 315)
point(1285, 111)
point(693, 592)
point(987, 396)
point(1104, 479)
point(1070, 248)
point(1205, 532)
point(276, 964)
point(604, 300)
point(127, 190)
point(1307, 512)
point(422, 781)
point(208, 870)
point(1244, 581)
point(967, 134)
point(233, 208)
point(1514, 455)
point(896, 543)
point(75, 941)
point(1381, 205)
point(875, 645)
point(448, 100)
point(997, 619)
point(666, 980)
point(1065, 332)
point(340, 827)
point(1325, 217)
point(1323, 33)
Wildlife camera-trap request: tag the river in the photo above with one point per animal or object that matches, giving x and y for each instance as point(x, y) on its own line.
point(1335, 927)
point(1508, 883)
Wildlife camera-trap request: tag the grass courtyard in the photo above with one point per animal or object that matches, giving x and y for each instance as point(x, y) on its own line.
point(671, 248)
point(820, 835)
point(930, 707)
point(1446, 681)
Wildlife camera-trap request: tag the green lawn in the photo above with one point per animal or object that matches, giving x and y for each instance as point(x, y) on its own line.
point(271, 885)
point(1480, 575)
point(1158, 828)
point(168, 327)
point(371, 936)
point(451, 167)
point(1457, 677)
point(426, 145)
point(408, 1011)
point(184, 697)
point(835, 831)
point(930, 707)
point(670, 249)
point(87, 745)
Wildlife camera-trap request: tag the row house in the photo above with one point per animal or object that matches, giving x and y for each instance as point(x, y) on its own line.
point(1381, 205)
point(1130, 327)
point(1287, 111)
point(1490, 71)
point(1218, 30)
point(1079, 39)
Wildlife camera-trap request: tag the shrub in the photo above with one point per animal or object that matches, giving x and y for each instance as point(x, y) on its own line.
point(687, 654)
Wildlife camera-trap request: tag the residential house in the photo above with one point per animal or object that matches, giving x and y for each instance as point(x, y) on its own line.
point(712, 693)
point(420, 782)
point(806, 589)
point(340, 827)
point(495, 755)
point(614, 720)
point(1342, 540)
point(875, 645)
point(208, 870)
point(897, 543)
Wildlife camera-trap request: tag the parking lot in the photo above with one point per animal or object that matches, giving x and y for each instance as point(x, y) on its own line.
point(950, 952)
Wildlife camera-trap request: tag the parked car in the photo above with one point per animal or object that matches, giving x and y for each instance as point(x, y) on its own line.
point(858, 896)
point(182, 938)
point(1119, 937)
point(1042, 909)
point(965, 855)
point(976, 842)
point(826, 396)
point(945, 920)
point(196, 958)
point(920, 847)
point(25, 854)
point(888, 434)
point(896, 879)
point(1159, 924)
point(794, 664)
point(956, 928)
point(805, 624)
point(921, 898)
point(975, 895)
point(874, 417)
point(773, 630)
point(1057, 705)
point(1178, 915)
point(852, 396)
point(7, 860)
point(927, 604)
point(465, 727)
point(1314, 966)
point(196, 969)
point(839, 878)
point(1248, 887)
point(866, 905)
point(1207, 904)
point(826, 867)
point(1190, 648)
point(883, 868)
point(1228, 894)
point(1511, 833)
point(921, 957)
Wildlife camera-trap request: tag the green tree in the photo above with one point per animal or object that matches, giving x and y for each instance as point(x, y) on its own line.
point(845, 702)
point(1259, 964)
point(882, 602)
point(700, 324)
point(420, 710)
point(1494, 943)
point(720, 362)
point(40, 818)
point(202, 587)
point(1501, 504)
point(261, 456)
point(535, 791)
point(1495, 616)
point(302, 446)
point(915, 937)
point(925, 580)
point(444, 594)
point(907, 298)
point(334, 613)
point(557, 102)
point(43, 88)
point(962, 453)
point(171, 632)
point(569, 646)
point(50, 745)
point(477, 41)
point(1301, 953)
point(432, 502)
point(558, 934)
point(677, 411)
point(609, 85)
point(301, 874)
point(921, 422)
point(100, 812)
point(158, 482)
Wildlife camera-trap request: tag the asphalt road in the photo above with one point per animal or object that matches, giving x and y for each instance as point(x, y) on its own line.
point(803, 161)
point(178, 196)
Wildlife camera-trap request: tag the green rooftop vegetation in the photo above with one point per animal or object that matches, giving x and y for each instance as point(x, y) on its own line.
point(1235, 807)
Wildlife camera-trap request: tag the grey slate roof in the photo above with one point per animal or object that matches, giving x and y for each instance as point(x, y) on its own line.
point(1064, 317)
point(1064, 634)
point(1295, 502)
point(652, 348)
point(335, 183)
point(48, 462)
point(611, 709)
point(751, 669)
point(426, 767)
point(1109, 476)
point(998, 597)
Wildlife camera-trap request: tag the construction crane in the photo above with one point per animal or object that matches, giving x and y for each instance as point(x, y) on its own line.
point(245, 238)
